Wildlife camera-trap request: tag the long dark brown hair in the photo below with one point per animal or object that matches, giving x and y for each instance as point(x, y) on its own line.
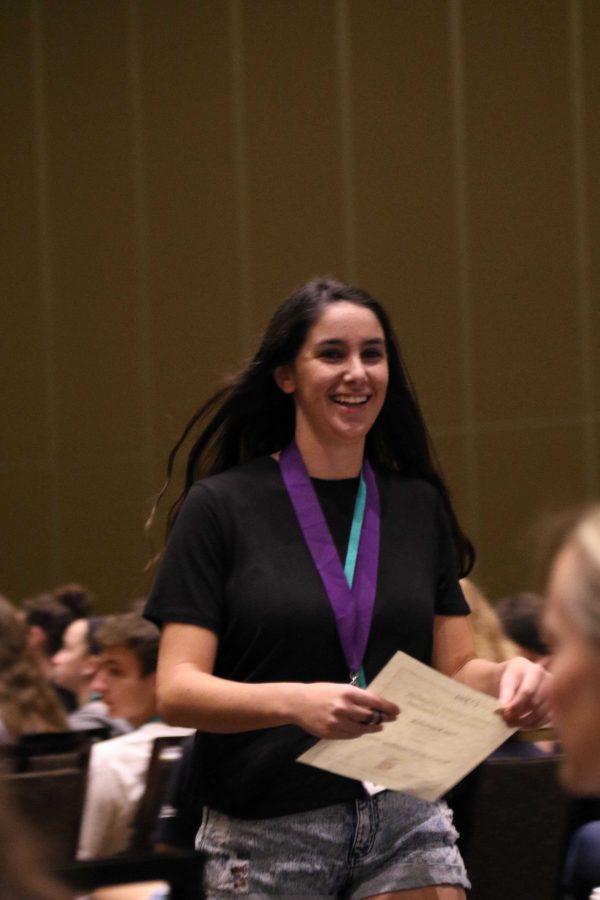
point(251, 417)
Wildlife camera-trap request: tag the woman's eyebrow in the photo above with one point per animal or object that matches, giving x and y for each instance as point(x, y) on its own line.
point(342, 341)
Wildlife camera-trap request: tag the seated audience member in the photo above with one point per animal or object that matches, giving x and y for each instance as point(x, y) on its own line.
point(492, 643)
point(572, 626)
point(490, 640)
point(78, 600)
point(126, 679)
point(27, 702)
point(74, 667)
point(521, 618)
point(46, 619)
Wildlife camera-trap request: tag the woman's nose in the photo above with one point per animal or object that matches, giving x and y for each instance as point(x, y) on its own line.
point(355, 370)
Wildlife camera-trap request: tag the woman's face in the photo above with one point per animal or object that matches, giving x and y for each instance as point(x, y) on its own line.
point(575, 689)
point(339, 377)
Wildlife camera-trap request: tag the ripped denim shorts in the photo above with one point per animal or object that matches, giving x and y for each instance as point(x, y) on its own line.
point(385, 842)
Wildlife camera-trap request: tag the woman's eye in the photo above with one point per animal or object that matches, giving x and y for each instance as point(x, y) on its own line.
point(331, 354)
point(373, 353)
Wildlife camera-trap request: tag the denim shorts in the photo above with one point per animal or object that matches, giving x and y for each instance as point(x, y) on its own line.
point(386, 842)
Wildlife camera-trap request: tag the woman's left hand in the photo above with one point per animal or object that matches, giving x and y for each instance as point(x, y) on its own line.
point(523, 693)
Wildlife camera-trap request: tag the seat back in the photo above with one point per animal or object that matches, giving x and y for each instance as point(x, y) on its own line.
point(51, 750)
point(166, 752)
point(51, 803)
point(513, 816)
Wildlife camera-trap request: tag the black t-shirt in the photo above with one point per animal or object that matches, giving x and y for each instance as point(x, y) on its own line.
point(237, 563)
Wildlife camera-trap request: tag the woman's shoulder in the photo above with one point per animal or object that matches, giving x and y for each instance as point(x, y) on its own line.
point(254, 473)
point(408, 486)
point(246, 482)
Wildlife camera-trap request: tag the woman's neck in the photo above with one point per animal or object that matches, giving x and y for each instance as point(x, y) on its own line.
point(326, 461)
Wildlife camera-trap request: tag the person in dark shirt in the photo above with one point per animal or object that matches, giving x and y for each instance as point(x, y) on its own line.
point(313, 538)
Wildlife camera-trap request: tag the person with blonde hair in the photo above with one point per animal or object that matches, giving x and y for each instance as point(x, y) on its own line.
point(28, 703)
point(490, 640)
point(572, 628)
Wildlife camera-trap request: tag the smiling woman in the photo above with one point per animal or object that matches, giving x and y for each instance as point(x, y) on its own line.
point(313, 538)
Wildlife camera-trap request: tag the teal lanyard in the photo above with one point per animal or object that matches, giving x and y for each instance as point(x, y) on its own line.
point(358, 678)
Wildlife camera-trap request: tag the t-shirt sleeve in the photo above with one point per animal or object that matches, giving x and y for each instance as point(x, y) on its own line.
point(450, 600)
point(190, 583)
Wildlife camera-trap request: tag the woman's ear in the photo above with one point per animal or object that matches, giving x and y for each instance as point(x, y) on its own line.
point(284, 379)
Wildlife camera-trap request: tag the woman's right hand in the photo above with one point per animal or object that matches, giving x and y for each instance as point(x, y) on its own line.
point(190, 695)
point(339, 711)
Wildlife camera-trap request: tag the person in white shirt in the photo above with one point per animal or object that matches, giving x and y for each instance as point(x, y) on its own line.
point(117, 772)
point(74, 667)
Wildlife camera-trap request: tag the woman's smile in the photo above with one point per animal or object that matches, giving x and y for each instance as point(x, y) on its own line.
point(351, 399)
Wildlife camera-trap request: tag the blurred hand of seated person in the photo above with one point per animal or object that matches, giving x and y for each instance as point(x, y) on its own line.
point(126, 678)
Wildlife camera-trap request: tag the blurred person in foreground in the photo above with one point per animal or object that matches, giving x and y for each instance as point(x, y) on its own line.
point(572, 629)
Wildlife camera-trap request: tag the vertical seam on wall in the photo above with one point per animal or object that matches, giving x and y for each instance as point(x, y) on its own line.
point(457, 82)
point(140, 240)
point(344, 80)
point(46, 285)
point(240, 155)
point(582, 246)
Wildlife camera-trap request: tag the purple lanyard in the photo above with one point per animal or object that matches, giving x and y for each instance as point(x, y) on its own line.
point(352, 606)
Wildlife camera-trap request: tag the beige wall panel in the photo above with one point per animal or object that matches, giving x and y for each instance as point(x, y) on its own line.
point(405, 198)
point(293, 144)
point(523, 476)
point(103, 543)
point(186, 136)
point(520, 189)
point(591, 125)
point(26, 565)
point(88, 109)
point(23, 352)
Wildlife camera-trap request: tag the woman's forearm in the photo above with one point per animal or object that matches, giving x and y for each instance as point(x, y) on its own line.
point(199, 700)
point(329, 710)
point(481, 675)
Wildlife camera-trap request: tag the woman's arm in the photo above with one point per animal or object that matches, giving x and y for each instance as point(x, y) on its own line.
point(190, 695)
point(520, 685)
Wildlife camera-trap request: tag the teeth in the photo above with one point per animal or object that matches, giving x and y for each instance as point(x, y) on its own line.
point(350, 399)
